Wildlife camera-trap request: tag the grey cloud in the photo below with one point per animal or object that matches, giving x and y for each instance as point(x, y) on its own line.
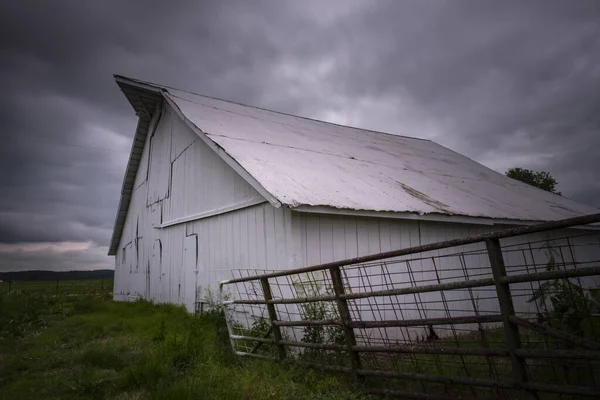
point(46, 258)
point(484, 74)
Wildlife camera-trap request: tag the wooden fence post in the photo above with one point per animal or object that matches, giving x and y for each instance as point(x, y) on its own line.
point(511, 330)
point(273, 317)
point(346, 319)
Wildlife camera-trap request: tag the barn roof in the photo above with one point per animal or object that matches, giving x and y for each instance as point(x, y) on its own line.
point(304, 163)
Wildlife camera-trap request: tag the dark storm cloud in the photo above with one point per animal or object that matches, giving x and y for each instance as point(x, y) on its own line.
point(61, 100)
point(502, 82)
point(489, 75)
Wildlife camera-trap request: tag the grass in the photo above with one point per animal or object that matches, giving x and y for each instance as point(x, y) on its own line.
point(81, 345)
point(74, 342)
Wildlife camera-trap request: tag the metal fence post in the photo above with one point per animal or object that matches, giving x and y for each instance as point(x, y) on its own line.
point(273, 317)
point(346, 318)
point(511, 330)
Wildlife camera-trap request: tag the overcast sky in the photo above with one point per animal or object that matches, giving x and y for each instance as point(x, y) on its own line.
point(507, 83)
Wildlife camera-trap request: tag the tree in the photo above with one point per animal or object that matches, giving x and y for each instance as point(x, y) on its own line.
point(539, 179)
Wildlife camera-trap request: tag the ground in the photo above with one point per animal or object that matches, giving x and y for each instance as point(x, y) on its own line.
point(71, 341)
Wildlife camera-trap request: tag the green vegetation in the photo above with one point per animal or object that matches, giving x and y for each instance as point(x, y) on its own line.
point(61, 276)
point(564, 305)
point(539, 179)
point(82, 345)
point(72, 341)
point(320, 310)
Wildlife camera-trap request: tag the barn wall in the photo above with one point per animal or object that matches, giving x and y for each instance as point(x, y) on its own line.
point(252, 239)
point(200, 180)
point(178, 177)
point(321, 238)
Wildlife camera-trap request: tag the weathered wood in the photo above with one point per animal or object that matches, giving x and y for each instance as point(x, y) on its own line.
point(309, 322)
point(346, 318)
point(470, 319)
point(273, 317)
point(511, 330)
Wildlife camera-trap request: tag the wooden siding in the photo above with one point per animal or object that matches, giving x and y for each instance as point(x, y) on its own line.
point(180, 176)
point(322, 238)
point(253, 238)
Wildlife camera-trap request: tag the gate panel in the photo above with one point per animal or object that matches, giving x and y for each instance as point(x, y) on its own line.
point(501, 315)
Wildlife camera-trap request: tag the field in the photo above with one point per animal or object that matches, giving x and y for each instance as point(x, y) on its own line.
point(71, 341)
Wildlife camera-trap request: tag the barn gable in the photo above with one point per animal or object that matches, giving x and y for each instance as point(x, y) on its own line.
point(174, 174)
point(179, 178)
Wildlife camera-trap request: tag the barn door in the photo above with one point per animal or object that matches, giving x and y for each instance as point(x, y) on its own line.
point(155, 271)
point(138, 274)
point(190, 270)
point(127, 271)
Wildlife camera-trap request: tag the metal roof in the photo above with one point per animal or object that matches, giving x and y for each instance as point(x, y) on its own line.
point(304, 163)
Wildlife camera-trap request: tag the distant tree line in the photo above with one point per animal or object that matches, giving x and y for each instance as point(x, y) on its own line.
point(40, 275)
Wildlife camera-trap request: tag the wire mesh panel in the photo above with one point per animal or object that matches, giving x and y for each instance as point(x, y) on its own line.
point(509, 314)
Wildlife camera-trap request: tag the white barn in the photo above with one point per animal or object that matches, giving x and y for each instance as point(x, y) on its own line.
point(213, 186)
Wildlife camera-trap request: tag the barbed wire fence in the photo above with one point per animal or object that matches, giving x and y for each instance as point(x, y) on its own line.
point(56, 287)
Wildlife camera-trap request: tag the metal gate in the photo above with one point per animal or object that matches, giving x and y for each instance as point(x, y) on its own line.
point(509, 314)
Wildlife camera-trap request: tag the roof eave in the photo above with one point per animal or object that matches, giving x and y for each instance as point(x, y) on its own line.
point(146, 100)
point(434, 217)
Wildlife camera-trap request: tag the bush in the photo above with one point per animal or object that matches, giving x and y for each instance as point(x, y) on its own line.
point(566, 306)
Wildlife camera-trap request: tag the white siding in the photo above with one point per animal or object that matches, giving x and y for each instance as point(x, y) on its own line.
point(159, 169)
point(180, 176)
point(322, 238)
point(201, 180)
point(253, 238)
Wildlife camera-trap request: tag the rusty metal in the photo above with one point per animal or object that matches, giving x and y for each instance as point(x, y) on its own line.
point(322, 322)
point(427, 321)
point(550, 275)
point(273, 317)
point(505, 300)
point(346, 318)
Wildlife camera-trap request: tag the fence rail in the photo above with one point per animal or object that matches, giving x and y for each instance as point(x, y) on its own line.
point(507, 314)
